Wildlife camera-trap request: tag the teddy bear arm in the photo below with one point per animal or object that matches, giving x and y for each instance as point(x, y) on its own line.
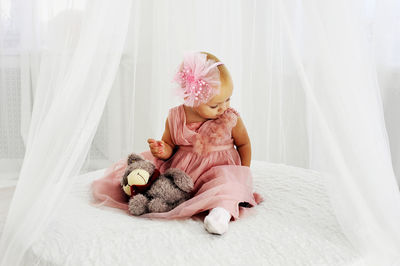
point(165, 189)
point(181, 179)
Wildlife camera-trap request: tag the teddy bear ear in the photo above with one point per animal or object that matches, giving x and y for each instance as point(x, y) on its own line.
point(133, 157)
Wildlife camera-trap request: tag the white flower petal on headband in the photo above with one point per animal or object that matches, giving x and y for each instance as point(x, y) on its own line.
point(198, 79)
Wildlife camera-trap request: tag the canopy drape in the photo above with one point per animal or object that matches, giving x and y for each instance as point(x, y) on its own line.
point(78, 67)
point(315, 82)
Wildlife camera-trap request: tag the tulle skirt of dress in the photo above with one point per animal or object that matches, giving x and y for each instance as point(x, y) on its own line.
point(219, 181)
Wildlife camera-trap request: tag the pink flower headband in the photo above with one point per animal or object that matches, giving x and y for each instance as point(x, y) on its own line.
point(198, 79)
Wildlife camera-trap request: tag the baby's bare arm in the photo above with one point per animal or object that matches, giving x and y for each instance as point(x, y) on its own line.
point(162, 149)
point(242, 142)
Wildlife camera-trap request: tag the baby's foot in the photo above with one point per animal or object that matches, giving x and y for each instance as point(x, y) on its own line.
point(216, 222)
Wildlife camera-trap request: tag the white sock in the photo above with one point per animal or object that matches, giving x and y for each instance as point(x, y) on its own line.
point(216, 222)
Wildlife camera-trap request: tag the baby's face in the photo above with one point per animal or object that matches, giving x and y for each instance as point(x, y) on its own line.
point(217, 105)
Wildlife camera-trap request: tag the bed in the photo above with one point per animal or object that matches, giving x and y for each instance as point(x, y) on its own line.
point(294, 225)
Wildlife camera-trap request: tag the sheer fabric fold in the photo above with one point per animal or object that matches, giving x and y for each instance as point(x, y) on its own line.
point(345, 119)
point(77, 71)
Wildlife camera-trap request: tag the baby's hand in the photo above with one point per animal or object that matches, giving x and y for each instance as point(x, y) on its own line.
point(157, 148)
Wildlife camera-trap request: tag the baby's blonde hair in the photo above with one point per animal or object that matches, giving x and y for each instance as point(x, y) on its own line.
point(224, 75)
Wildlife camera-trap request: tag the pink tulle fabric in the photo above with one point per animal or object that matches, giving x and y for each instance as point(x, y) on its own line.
point(207, 154)
point(198, 79)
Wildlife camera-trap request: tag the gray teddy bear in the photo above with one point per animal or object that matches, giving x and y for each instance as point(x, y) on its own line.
point(151, 192)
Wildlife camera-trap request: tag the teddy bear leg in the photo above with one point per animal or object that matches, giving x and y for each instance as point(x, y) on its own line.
point(158, 205)
point(138, 204)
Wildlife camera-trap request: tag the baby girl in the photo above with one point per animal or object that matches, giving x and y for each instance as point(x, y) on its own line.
point(207, 139)
point(200, 138)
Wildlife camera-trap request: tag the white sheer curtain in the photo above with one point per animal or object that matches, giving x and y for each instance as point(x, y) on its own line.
point(349, 141)
point(305, 84)
point(78, 65)
point(322, 103)
point(385, 23)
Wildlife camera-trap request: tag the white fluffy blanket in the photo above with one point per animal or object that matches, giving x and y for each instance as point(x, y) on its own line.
point(293, 226)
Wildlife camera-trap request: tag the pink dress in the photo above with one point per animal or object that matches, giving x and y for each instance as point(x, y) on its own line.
point(206, 153)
